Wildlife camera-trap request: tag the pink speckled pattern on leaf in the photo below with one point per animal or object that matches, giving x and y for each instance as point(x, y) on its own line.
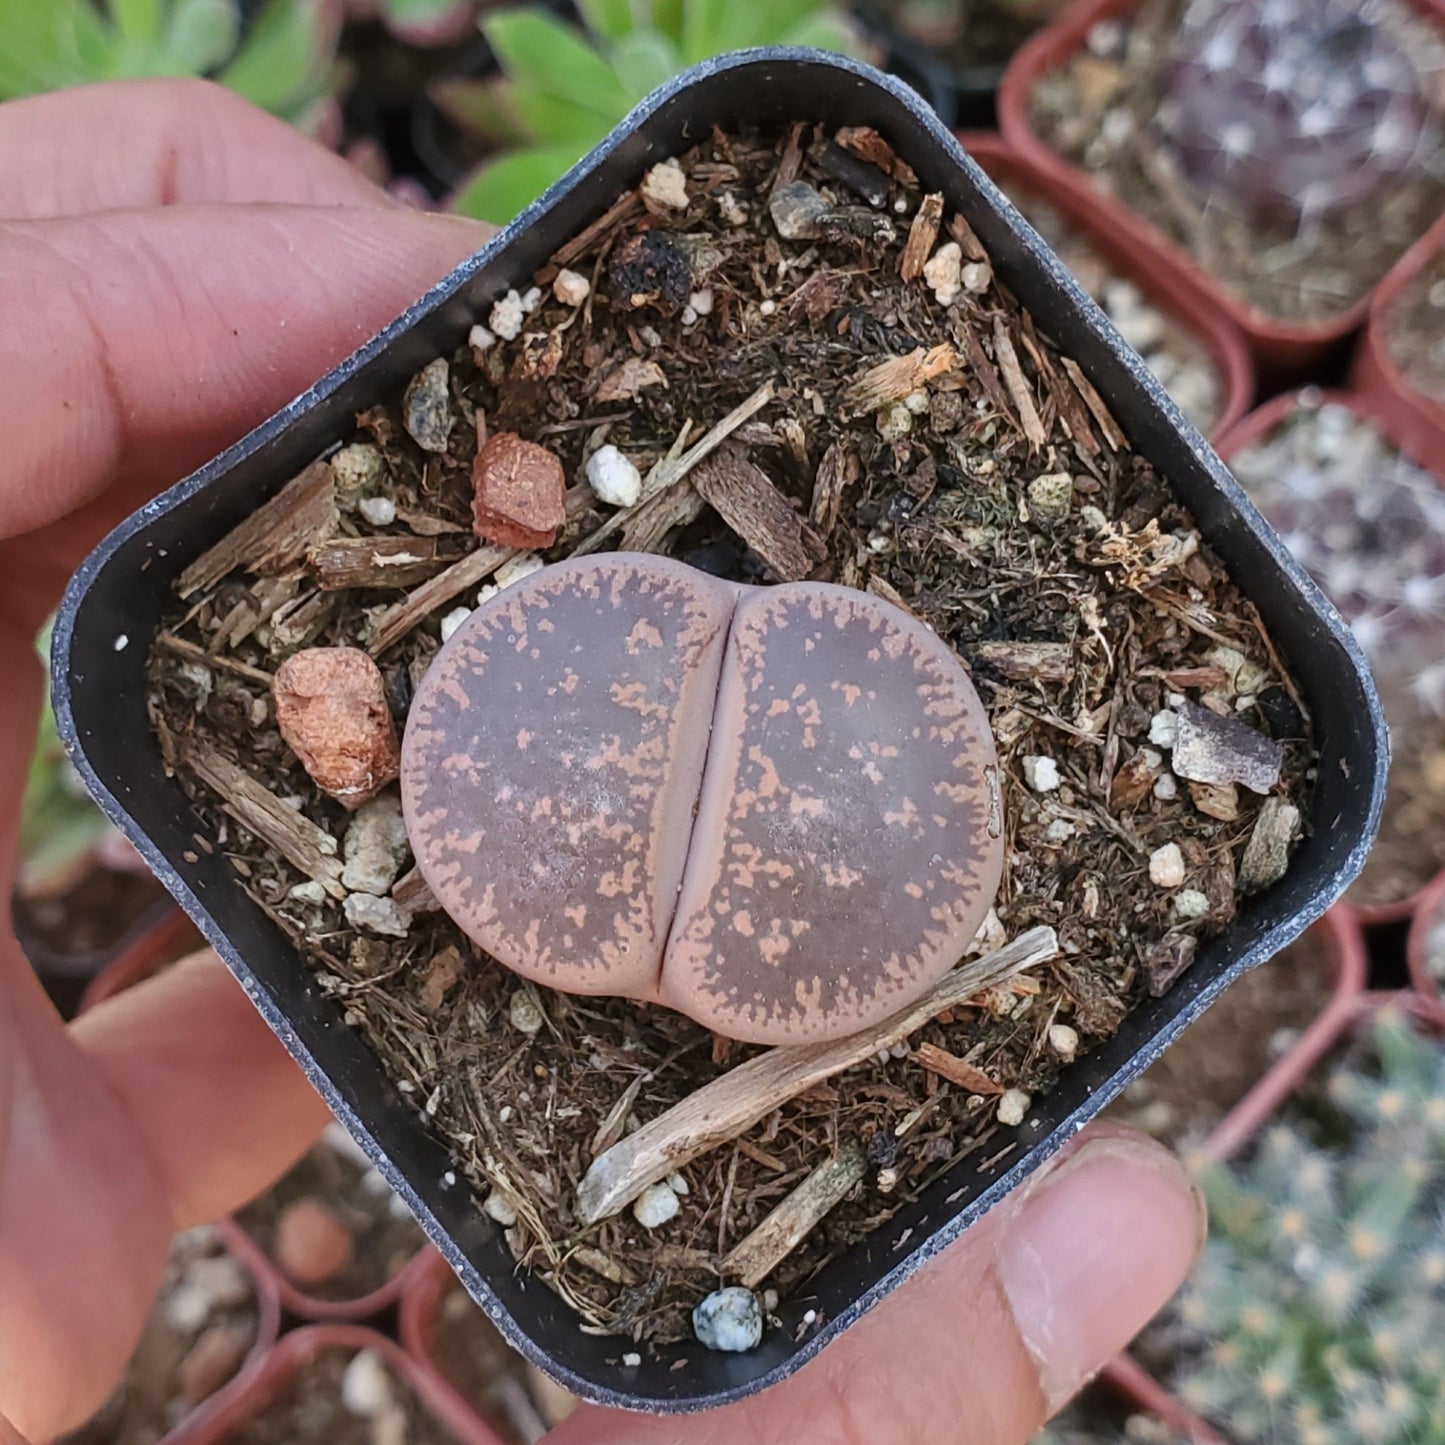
point(774, 809)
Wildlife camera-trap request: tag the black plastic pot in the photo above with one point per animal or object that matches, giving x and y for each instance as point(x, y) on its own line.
point(117, 600)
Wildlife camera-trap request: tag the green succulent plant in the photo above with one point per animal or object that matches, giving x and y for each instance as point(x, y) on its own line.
point(281, 61)
point(1317, 1312)
point(562, 89)
point(425, 22)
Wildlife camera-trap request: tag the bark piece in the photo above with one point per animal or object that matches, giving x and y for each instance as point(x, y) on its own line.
point(900, 376)
point(1029, 661)
point(397, 621)
point(626, 381)
point(519, 493)
point(956, 1070)
point(1216, 800)
point(1221, 750)
point(1018, 387)
point(921, 236)
point(759, 513)
point(275, 538)
point(733, 1103)
point(346, 562)
point(1132, 783)
point(412, 892)
point(331, 710)
point(1095, 403)
point(865, 143)
point(759, 1253)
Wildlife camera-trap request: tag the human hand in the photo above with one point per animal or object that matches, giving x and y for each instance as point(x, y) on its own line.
point(173, 267)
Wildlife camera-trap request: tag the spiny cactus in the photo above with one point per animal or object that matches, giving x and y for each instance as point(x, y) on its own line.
point(1369, 526)
point(1317, 1313)
point(1294, 109)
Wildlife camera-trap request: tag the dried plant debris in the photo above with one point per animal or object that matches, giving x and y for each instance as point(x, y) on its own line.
point(1378, 550)
point(945, 458)
point(1291, 146)
point(1174, 354)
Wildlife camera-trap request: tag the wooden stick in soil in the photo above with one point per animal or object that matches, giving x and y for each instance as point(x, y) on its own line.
point(1017, 383)
point(757, 1255)
point(672, 470)
point(295, 837)
point(734, 1102)
point(275, 537)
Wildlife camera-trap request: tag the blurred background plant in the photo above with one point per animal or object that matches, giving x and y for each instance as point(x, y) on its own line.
point(1317, 1312)
point(1290, 110)
point(280, 54)
point(562, 89)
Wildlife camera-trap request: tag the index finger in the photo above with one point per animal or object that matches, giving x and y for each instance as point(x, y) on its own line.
point(138, 144)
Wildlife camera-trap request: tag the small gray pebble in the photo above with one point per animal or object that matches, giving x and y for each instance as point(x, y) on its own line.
point(426, 407)
point(729, 1319)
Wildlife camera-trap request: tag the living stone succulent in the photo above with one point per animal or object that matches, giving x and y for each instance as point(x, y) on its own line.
point(773, 809)
point(1317, 1312)
point(1293, 109)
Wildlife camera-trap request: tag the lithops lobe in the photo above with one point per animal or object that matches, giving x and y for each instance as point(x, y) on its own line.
point(847, 843)
point(552, 760)
point(774, 809)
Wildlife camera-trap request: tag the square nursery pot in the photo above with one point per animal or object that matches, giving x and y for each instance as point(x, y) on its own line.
point(117, 600)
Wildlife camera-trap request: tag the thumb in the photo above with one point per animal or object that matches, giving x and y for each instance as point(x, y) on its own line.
point(995, 1336)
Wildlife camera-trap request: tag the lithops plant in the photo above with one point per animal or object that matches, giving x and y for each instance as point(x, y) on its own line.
point(773, 809)
point(1293, 109)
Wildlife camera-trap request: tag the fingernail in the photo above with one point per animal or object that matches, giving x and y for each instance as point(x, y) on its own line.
point(1094, 1250)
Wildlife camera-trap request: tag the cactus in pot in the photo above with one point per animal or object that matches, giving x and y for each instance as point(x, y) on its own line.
point(1317, 1311)
point(1291, 110)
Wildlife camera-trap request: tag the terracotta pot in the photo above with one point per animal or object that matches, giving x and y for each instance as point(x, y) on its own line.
point(298, 1301)
point(1374, 407)
point(419, 1320)
point(1419, 420)
point(1284, 350)
point(266, 1384)
point(1086, 214)
point(171, 938)
point(268, 1331)
point(1429, 914)
point(1343, 939)
point(1350, 1006)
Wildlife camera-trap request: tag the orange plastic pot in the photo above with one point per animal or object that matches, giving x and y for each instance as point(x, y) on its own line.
point(265, 1387)
point(1418, 419)
point(307, 1306)
point(1284, 350)
point(1089, 216)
